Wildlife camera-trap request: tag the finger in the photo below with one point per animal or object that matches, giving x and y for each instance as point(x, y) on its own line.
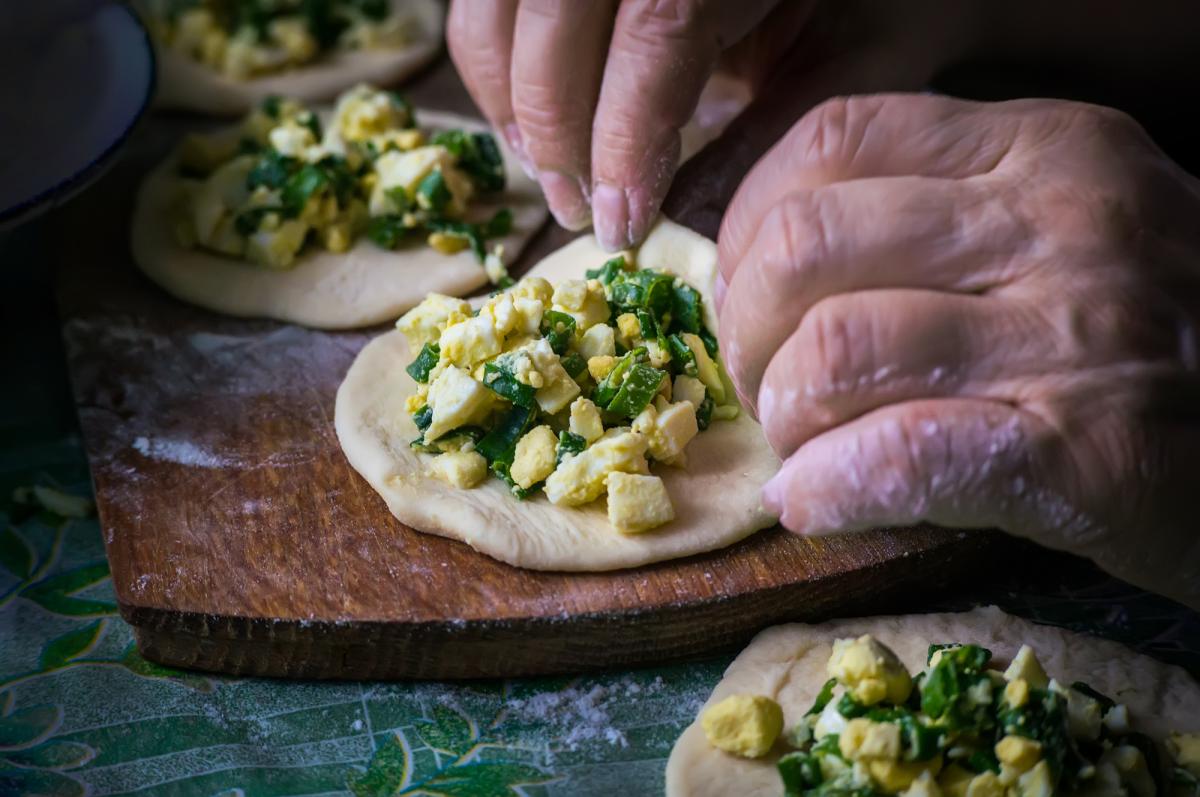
point(660, 57)
point(850, 138)
point(558, 59)
point(896, 232)
point(479, 34)
point(962, 463)
point(856, 352)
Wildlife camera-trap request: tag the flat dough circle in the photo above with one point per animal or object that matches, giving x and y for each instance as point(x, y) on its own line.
point(716, 499)
point(787, 663)
point(325, 290)
point(185, 84)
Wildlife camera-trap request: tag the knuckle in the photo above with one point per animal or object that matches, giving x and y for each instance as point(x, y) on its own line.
point(1106, 119)
point(544, 113)
point(818, 136)
point(834, 131)
point(673, 19)
point(837, 345)
point(803, 245)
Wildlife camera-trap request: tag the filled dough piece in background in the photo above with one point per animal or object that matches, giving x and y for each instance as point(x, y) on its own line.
point(185, 84)
point(787, 663)
point(716, 497)
point(326, 290)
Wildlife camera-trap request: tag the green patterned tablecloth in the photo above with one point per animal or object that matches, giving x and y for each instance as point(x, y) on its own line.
point(82, 713)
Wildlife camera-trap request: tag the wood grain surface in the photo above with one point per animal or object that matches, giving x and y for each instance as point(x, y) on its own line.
point(241, 541)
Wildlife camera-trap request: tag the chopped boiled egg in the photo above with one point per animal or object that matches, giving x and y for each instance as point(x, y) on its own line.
point(426, 322)
point(870, 671)
point(637, 502)
point(457, 400)
point(462, 469)
point(744, 725)
point(535, 455)
point(580, 479)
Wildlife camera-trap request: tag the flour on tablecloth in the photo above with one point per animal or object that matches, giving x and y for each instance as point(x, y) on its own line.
point(580, 714)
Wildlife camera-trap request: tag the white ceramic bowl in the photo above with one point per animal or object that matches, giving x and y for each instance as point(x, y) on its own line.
point(75, 87)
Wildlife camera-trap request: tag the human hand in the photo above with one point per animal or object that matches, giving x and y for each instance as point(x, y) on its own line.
point(592, 95)
point(979, 316)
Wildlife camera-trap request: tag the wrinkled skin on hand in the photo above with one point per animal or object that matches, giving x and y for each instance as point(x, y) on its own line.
point(591, 95)
point(979, 316)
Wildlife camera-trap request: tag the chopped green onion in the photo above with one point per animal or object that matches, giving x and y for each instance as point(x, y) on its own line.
point(934, 648)
point(502, 471)
point(799, 772)
point(704, 412)
point(425, 362)
point(683, 359)
point(499, 225)
point(1104, 700)
point(461, 229)
point(399, 198)
point(569, 444)
point(850, 708)
point(500, 380)
point(301, 186)
point(558, 329)
point(387, 231)
point(500, 444)
point(401, 103)
point(248, 221)
point(608, 387)
point(637, 390)
point(313, 123)
point(574, 364)
point(685, 308)
point(608, 272)
point(423, 417)
point(271, 170)
point(982, 761)
point(432, 194)
point(823, 698)
point(647, 323)
point(478, 155)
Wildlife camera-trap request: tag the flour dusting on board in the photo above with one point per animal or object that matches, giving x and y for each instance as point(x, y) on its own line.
point(181, 452)
point(581, 714)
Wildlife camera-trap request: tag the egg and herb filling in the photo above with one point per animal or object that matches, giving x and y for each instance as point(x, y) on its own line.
point(287, 183)
point(242, 39)
point(958, 729)
point(572, 390)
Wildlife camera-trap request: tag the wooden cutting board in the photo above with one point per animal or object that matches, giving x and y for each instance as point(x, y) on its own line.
point(241, 541)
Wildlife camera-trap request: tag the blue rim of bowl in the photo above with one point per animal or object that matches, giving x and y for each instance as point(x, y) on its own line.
point(66, 188)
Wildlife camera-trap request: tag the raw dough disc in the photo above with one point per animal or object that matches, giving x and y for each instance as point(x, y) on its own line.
point(185, 84)
point(364, 286)
point(716, 499)
point(787, 663)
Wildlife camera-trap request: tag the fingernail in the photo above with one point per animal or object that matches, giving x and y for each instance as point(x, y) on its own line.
point(719, 290)
point(512, 135)
point(610, 214)
point(565, 196)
